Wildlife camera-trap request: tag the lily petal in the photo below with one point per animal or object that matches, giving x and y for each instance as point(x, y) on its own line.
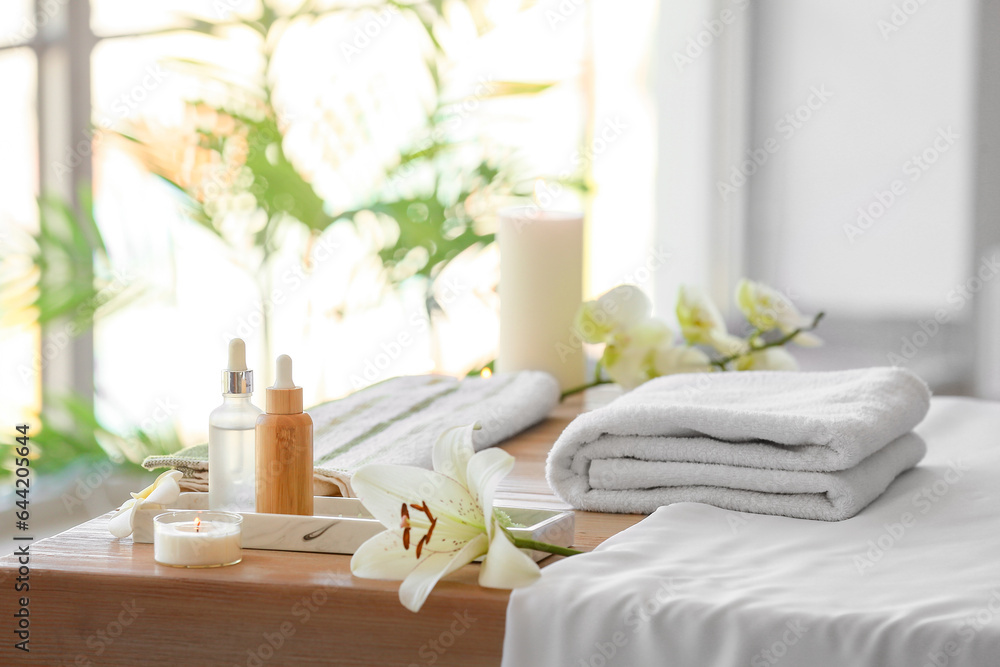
point(121, 523)
point(385, 488)
point(149, 489)
point(139, 495)
point(418, 584)
point(452, 452)
point(175, 475)
point(383, 557)
point(486, 469)
point(166, 489)
point(506, 566)
point(128, 503)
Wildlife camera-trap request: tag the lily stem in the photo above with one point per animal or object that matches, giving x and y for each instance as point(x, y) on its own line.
point(543, 546)
point(524, 543)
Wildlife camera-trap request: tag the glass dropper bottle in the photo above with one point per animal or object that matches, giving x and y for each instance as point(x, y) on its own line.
point(231, 450)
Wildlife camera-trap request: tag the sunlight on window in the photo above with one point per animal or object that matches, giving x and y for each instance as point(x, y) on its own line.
point(351, 91)
point(116, 17)
point(16, 24)
point(20, 396)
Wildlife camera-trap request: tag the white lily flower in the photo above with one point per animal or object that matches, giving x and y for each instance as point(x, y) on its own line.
point(163, 491)
point(439, 520)
point(616, 310)
point(766, 309)
point(629, 357)
point(770, 359)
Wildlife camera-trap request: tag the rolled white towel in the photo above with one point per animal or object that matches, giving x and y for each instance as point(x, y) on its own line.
point(808, 445)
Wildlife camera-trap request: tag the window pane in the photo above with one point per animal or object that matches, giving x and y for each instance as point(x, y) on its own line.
point(135, 79)
point(19, 342)
point(167, 259)
point(621, 151)
point(116, 17)
point(18, 145)
point(17, 25)
point(347, 115)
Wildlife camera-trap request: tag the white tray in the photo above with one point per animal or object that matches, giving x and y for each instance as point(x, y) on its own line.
point(341, 525)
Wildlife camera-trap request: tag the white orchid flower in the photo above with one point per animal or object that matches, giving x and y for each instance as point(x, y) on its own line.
point(163, 491)
point(439, 520)
point(702, 323)
point(670, 360)
point(629, 357)
point(766, 309)
point(769, 359)
point(614, 311)
point(698, 316)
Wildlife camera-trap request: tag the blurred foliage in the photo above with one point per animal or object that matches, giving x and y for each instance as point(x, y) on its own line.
point(432, 201)
point(231, 158)
point(61, 278)
point(71, 432)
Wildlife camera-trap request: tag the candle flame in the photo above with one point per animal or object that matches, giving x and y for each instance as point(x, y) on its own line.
point(486, 373)
point(197, 524)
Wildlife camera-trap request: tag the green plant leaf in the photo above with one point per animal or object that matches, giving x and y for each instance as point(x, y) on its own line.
point(509, 88)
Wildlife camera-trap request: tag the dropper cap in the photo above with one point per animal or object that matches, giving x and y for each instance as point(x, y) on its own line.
point(237, 378)
point(284, 398)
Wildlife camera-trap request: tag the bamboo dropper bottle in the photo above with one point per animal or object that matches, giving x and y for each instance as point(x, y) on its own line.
point(284, 448)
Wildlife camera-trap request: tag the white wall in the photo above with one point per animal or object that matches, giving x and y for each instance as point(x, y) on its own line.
point(896, 108)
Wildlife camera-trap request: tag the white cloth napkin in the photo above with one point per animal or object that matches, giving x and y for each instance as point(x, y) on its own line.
point(913, 580)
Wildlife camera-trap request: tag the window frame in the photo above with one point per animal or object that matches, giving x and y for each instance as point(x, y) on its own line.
point(62, 44)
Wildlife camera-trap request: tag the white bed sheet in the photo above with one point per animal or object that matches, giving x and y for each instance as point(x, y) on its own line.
point(912, 580)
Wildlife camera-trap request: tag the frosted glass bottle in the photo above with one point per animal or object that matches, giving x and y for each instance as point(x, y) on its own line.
point(231, 441)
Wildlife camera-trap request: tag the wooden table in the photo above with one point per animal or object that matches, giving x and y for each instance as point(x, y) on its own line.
point(96, 600)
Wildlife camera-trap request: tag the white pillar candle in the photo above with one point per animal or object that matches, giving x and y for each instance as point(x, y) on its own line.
point(197, 539)
point(541, 288)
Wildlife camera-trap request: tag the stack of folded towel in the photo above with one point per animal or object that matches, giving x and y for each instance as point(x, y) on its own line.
point(805, 445)
point(398, 421)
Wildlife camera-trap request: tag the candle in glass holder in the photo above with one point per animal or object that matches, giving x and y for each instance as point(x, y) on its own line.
point(541, 288)
point(197, 539)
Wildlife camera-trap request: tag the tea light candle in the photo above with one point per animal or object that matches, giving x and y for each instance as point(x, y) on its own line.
point(197, 539)
point(541, 288)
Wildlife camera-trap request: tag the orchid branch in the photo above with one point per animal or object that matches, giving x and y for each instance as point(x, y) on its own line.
point(722, 363)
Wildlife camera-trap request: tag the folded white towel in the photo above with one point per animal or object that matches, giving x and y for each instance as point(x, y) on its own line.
point(807, 445)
